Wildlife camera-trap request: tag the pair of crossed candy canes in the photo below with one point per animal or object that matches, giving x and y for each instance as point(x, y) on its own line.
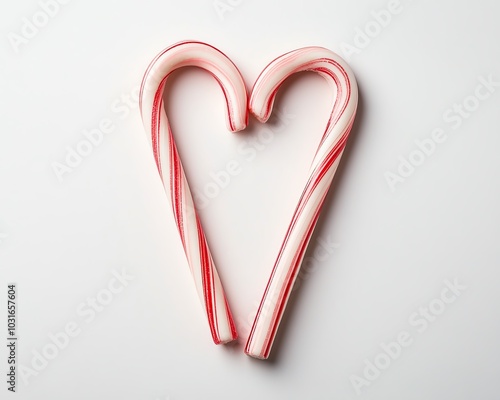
point(304, 219)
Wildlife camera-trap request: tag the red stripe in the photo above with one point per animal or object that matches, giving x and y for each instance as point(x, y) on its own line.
point(206, 274)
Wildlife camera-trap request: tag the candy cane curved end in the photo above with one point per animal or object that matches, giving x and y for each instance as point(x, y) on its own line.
point(207, 57)
point(318, 59)
point(170, 168)
point(322, 170)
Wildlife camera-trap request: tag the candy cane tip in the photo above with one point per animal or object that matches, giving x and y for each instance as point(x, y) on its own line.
point(226, 341)
point(260, 105)
point(237, 117)
point(239, 126)
point(226, 338)
point(259, 111)
point(256, 356)
point(261, 118)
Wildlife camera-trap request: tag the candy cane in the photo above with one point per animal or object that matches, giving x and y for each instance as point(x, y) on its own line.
point(322, 170)
point(170, 168)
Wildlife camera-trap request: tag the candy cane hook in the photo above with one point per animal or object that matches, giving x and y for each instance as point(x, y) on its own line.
point(169, 165)
point(322, 170)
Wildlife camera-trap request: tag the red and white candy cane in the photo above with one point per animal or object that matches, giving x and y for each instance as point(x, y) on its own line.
point(323, 168)
point(170, 168)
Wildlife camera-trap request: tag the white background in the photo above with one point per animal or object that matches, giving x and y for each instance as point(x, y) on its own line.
point(393, 249)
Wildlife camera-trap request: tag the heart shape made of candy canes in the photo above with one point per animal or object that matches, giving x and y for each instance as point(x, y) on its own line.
point(324, 165)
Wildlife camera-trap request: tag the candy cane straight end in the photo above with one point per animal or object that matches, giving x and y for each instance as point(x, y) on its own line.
point(205, 276)
point(256, 354)
point(336, 71)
